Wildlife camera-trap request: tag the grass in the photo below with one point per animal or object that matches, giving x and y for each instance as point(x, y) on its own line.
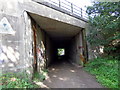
point(14, 80)
point(105, 70)
point(39, 77)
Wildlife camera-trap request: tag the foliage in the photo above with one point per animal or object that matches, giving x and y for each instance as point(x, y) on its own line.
point(105, 70)
point(61, 51)
point(104, 26)
point(104, 30)
point(13, 80)
point(39, 76)
point(18, 80)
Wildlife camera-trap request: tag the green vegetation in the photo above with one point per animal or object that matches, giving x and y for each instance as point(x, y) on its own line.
point(61, 51)
point(14, 80)
point(104, 27)
point(17, 80)
point(105, 70)
point(40, 76)
point(104, 31)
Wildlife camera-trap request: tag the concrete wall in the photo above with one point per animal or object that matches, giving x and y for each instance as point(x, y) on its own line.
point(74, 50)
point(45, 11)
point(16, 49)
point(28, 41)
point(12, 44)
point(48, 50)
point(40, 44)
point(45, 50)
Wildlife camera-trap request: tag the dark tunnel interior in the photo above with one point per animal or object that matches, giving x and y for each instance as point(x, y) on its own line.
point(58, 35)
point(69, 49)
point(62, 45)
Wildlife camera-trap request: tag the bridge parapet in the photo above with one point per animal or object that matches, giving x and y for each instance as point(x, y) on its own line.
point(65, 7)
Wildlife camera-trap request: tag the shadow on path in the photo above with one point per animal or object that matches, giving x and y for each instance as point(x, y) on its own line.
point(65, 75)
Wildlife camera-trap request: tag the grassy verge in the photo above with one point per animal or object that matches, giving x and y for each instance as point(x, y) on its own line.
point(105, 70)
point(13, 80)
point(16, 80)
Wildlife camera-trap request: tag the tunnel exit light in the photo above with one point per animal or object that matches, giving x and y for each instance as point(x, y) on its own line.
point(61, 51)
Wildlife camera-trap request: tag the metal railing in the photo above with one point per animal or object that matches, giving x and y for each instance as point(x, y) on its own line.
point(66, 7)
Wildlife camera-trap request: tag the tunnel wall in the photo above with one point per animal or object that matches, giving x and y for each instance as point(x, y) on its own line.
point(50, 50)
point(45, 48)
point(74, 50)
point(40, 47)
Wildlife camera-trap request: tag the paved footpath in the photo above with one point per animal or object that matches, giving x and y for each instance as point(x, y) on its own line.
point(65, 75)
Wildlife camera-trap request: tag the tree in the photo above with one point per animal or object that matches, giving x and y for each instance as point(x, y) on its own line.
point(104, 26)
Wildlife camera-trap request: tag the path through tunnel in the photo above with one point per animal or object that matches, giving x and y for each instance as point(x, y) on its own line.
point(57, 35)
point(61, 51)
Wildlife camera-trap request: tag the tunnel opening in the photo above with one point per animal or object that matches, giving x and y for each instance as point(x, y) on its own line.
point(57, 42)
point(60, 53)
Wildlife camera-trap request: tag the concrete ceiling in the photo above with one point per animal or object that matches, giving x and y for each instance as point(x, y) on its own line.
point(56, 29)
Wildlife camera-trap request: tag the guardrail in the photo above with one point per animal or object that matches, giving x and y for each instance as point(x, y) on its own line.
point(66, 7)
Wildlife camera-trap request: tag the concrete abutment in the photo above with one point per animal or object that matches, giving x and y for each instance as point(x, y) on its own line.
point(39, 32)
point(73, 45)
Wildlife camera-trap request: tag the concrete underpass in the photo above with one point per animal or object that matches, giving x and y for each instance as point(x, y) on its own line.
point(56, 35)
point(34, 33)
point(37, 32)
point(62, 70)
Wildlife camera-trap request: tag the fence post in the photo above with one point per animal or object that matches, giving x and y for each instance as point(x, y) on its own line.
point(72, 7)
point(59, 3)
point(81, 12)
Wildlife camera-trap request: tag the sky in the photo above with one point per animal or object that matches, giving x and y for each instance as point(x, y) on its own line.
point(81, 3)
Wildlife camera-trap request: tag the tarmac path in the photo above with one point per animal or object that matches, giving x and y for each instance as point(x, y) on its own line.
point(66, 75)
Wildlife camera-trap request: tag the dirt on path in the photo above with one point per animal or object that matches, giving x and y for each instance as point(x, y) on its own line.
point(66, 75)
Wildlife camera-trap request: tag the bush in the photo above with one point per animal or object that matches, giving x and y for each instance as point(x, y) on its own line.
point(105, 70)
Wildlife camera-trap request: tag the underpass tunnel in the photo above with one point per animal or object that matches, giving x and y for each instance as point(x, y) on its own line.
point(60, 50)
point(53, 51)
point(71, 49)
point(55, 36)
